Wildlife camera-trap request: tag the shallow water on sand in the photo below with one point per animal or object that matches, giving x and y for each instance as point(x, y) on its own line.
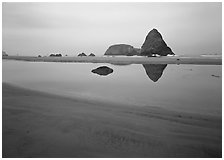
point(190, 88)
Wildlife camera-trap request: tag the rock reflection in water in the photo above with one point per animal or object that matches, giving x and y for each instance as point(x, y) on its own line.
point(103, 70)
point(154, 71)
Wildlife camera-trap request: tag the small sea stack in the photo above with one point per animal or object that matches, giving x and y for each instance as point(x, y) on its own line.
point(82, 54)
point(92, 55)
point(56, 55)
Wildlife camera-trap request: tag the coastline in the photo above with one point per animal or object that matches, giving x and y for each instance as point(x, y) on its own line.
point(37, 124)
point(123, 60)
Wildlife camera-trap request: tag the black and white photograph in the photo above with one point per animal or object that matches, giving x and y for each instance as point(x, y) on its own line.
point(112, 79)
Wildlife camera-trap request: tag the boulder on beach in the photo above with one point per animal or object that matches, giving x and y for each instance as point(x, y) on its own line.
point(92, 55)
point(103, 70)
point(122, 49)
point(4, 53)
point(154, 44)
point(81, 54)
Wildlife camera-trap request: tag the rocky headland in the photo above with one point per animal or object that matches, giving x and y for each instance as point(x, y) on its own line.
point(122, 49)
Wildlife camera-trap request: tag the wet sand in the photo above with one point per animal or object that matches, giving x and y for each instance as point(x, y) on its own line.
point(122, 60)
point(37, 124)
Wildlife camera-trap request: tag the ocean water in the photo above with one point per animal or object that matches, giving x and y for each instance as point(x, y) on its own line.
point(188, 88)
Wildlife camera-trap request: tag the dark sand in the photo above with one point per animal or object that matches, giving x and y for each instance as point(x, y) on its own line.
point(37, 124)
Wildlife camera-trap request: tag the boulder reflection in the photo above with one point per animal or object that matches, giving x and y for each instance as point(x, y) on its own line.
point(154, 71)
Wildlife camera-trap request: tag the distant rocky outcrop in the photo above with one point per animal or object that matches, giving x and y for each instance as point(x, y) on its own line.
point(154, 44)
point(217, 76)
point(103, 70)
point(81, 54)
point(122, 49)
point(4, 53)
point(55, 55)
point(154, 71)
point(92, 55)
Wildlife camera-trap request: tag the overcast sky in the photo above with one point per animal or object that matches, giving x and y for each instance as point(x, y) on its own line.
point(71, 28)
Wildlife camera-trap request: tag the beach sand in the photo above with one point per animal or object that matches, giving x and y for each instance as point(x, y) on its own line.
point(124, 60)
point(37, 124)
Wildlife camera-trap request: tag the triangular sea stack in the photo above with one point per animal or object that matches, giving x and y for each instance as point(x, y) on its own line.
point(154, 44)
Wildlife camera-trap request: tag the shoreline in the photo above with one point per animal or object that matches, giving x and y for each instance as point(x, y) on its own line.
point(37, 124)
point(123, 60)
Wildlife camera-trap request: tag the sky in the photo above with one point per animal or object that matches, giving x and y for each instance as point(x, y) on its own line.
point(71, 28)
